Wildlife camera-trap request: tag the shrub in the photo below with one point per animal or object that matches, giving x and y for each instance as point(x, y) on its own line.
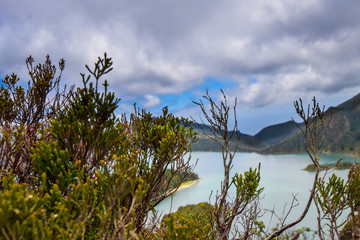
point(83, 173)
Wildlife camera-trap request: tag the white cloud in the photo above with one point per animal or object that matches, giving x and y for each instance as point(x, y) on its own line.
point(150, 101)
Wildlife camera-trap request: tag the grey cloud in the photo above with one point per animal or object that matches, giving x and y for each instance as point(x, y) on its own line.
point(167, 46)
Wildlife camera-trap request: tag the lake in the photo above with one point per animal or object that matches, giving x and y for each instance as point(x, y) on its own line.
point(281, 176)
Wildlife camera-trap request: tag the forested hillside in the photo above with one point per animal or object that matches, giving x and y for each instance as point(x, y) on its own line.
point(247, 143)
point(275, 134)
point(342, 136)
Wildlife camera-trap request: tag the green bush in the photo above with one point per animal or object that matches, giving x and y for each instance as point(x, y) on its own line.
point(83, 173)
point(189, 222)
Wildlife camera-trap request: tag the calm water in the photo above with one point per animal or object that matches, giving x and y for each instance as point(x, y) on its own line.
point(281, 176)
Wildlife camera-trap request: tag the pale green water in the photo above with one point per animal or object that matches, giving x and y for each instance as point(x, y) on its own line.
point(281, 176)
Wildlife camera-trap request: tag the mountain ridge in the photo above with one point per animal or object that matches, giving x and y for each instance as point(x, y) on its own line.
point(343, 135)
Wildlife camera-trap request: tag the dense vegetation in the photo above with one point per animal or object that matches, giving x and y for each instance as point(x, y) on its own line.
point(72, 169)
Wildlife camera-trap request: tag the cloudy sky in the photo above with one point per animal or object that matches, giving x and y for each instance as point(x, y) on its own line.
point(267, 53)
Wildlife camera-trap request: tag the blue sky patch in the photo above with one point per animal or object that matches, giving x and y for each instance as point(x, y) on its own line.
point(184, 99)
point(214, 83)
point(1, 77)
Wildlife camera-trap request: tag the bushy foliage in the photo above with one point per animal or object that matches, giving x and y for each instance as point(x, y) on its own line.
point(188, 222)
point(24, 111)
point(84, 173)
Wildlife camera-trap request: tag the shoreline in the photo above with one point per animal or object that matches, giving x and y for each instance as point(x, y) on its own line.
point(188, 184)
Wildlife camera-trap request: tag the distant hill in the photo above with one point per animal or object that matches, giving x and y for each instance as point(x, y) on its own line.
point(247, 143)
point(343, 135)
point(275, 134)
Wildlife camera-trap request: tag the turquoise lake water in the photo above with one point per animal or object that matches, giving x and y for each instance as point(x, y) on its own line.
point(281, 176)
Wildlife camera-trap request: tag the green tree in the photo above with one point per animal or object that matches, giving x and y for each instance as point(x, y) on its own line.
point(24, 111)
point(161, 144)
point(88, 128)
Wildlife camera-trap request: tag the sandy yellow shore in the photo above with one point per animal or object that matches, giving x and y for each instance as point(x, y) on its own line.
point(188, 184)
